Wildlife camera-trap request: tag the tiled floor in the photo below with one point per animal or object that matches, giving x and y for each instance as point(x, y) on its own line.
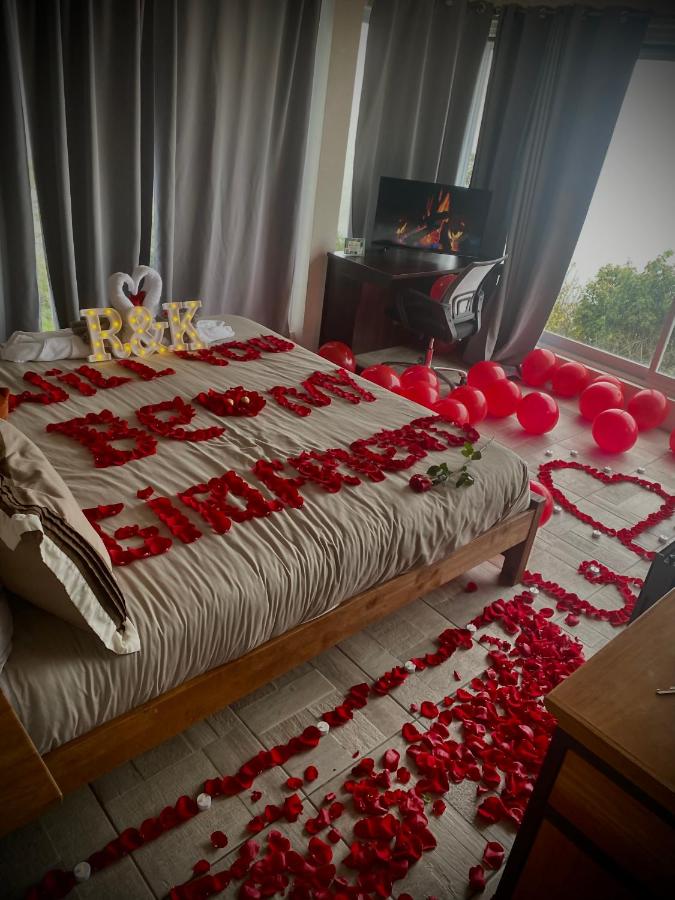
point(92, 815)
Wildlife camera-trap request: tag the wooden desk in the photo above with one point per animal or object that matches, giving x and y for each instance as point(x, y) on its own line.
point(379, 272)
point(601, 821)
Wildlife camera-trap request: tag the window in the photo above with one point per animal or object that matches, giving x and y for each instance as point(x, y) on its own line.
point(617, 305)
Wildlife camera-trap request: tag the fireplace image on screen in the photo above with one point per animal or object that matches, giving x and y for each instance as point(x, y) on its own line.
point(427, 216)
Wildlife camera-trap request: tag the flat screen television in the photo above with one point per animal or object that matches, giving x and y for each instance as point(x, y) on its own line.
point(422, 215)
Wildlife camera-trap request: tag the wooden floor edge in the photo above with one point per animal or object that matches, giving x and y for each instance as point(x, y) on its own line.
point(112, 743)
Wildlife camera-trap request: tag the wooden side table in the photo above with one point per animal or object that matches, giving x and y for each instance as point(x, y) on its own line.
point(379, 272)
point(601, 821)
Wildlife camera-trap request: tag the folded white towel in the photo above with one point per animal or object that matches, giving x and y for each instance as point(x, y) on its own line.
point(214, 330)
point(46, 346)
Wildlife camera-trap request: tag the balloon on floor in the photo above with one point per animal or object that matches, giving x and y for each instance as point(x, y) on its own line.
point(452, 411)
point(570, 379)
point(537, 413)
point(615, 430)
point(482, 374)
point(474, 400)
point(649, 409)
point(383, 375)
point(419, 374)
point(537, 488)
point(502, 398)
point(599, 396)
point(538, 366)
point(340, 354)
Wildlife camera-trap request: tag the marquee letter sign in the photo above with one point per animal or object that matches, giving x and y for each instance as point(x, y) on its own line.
point(98, 336)
point(181, 325)
point(146, 335)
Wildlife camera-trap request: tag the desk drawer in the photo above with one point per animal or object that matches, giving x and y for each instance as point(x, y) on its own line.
point(616, 822)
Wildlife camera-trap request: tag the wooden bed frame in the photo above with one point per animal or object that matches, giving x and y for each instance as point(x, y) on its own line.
point(30, 783)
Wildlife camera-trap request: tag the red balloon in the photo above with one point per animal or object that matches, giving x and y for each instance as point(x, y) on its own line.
point(474, 400)
point(415, 374)
point(482, 374)
point(425, 394)
point(502, 398)
point(648, 408)
point(385, 376)
point(537, 413)
point(615, 430)
point(608, 378)
point(340, 354)
point(570, 379)
point(538, 366)
point(598, 397)
point(452, 411)
point(440, 286)
point(537, 488)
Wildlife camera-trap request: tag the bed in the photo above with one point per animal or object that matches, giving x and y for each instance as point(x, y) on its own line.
point(220, 616)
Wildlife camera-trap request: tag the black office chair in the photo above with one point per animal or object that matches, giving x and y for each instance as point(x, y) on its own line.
point(453, 318)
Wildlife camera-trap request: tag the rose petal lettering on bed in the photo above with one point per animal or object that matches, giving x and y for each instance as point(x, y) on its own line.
point(72, 379)
point(176, 521)
point(172, 427)
point(145, 373)
point(285, 489)
point(99, 380)
point(49, 393)
point(217, 511)
point(99, 441)
point(282, 395)
point(152, 543)
point(239, 351)
point(236, 401)
point(336, 383)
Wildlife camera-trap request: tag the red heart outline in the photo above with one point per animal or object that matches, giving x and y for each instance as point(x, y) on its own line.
point(625, 535)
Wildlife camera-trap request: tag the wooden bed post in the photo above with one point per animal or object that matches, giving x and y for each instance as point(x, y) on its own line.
point(27, 787)
point(515, 558)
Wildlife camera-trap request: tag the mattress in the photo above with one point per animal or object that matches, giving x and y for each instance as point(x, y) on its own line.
point(202, 604)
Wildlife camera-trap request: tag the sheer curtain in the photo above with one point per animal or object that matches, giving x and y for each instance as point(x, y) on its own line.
point(176, 122)
point(422, 61)
point(555, 93)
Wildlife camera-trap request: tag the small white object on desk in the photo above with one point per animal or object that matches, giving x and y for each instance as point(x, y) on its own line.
point(596, 533)
point(203, 802)
point(471, 627)
point(607, 470)
point(533, 590)
point(410, 666)
point(641, 470)
point(82, 871)
point(557, 509)
point(548, 452)
point(663, 539)
point(323, 727)
point(574, 452)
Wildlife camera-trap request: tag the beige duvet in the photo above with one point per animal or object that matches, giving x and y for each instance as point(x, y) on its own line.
point(200, 605)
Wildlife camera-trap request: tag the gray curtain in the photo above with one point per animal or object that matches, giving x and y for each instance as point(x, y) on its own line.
point(178, 121)
point(19, 304)
point(232, 93)
point(554, 96)
point(81, 64)
point(422, 59)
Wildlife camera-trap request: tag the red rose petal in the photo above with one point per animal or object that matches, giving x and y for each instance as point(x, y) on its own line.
point(493, 855)
point(294, 784)
point(477, 879)
point(471, 587)
point(429, 710)
point(219, 839)
point(311, 773)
